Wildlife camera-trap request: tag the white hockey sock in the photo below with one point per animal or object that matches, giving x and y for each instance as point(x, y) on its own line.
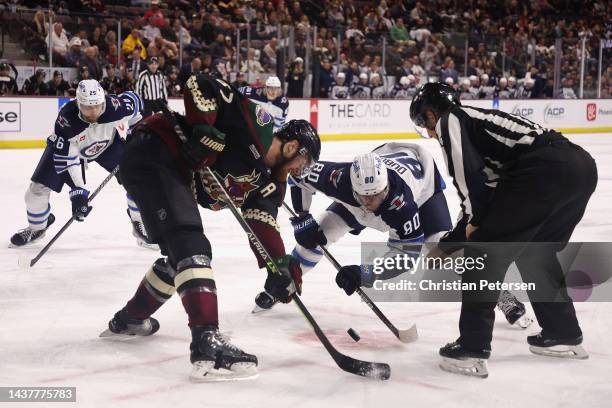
point(133, 210)
point(308, 258)
point(37, 206)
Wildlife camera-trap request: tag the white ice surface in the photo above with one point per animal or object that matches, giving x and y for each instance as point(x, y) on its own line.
point(51, 315)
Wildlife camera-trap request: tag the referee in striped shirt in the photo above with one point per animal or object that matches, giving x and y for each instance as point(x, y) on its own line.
point(518, 183)
point(151, 86)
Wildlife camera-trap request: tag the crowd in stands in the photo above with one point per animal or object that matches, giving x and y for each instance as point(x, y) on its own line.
point(485, 49)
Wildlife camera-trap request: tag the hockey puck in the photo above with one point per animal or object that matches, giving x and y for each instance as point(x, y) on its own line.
point(353, 334)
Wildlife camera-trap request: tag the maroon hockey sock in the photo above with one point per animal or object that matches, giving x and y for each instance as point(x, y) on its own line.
point(201, 306)
point(143, 304)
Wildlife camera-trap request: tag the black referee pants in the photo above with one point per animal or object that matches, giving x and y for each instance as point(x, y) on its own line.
point(541, 199)
point(153, 105)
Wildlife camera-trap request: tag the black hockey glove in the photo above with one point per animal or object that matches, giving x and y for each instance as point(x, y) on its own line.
point(349, 278)
point(283, 285)
point(201, 149)
point(80, 203)
point(307, 231)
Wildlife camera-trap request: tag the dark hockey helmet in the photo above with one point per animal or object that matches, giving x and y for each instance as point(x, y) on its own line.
point(302, 131)
point(434, 96)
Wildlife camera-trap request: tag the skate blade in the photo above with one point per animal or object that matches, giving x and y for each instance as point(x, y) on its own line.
point(257, 310)
point(561, 351)
point(473, 367)
point(118, 336)
point(204, 371)
point(523, 322)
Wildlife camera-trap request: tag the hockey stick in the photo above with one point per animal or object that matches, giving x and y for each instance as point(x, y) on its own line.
point(405, 336)
point(380, 371)
point(71, 220)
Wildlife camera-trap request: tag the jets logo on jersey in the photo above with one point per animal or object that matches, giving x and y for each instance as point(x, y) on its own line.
point(92, 150)
point(62, 121)
point(397, 202)
point(262, 117)
point(116, 103)
point(334, 177)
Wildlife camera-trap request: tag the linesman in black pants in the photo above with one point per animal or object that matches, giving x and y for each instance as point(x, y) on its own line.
point(521, 185)
point(151, 86)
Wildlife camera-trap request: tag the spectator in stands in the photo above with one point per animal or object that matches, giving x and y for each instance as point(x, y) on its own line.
point(82, 35)
point(295, 79)
point(448, 70)
point(155, 15)
point(417, 69)
point(128, 82)
point(567, 90)
point(252, 64)
point(59, 41)
point(40, 24)
point(399, 33)
point(111, 82)
point(326, 78)
point(35, 85)
point(150, 31)
point(217, 49)
point(75, 54)
point(97, 40)
point(189, 69)
point(136, 63)
point(269, 52)
point(173, 85)
point(8, 85)
point(90, 61)
point(58, 86)
point(162, 47)
point(132, 42)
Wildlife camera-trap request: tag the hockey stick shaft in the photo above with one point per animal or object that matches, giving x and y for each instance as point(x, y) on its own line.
point(367, 369)
point(71, 220)
point(364, 297)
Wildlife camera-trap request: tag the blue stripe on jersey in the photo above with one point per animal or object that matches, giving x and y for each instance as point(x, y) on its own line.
point(133, 208)
point(40, 214)
point(62, 157)
point(135, 99)
point(303, 260)
point(59, 169)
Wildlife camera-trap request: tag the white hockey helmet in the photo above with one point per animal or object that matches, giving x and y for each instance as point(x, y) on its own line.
point(273, 82)
point(90, 99)
point(411, 78)
point(449, 80)
point(363, 76)
point(90, 93)
point(368, 175)
point(404, 81)
point(273, 88)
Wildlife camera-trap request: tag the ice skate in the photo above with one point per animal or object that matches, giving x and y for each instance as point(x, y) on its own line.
point(121, 326)
point(549, 346)
point(142, 239)
point(456, 359)
point(514, 310)
point(214, 358)
point(29, 236)
point(263, 302)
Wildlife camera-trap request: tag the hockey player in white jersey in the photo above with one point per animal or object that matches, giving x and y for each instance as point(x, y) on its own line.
point(378, 87)
point(88, 128)
point(405, 89)
point(362, 89)
point(271, 98)
point(339, 89)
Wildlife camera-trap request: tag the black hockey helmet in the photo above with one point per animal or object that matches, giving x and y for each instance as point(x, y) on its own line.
point(434, 96)
point(302, 131)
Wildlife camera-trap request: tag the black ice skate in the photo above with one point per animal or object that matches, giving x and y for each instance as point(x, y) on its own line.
point(139, 232)
point(546, 345)
point(264, 301)
point(214, 358)
point(514, 310)
point(456, 359)
point(123, 326)
point(29, 236)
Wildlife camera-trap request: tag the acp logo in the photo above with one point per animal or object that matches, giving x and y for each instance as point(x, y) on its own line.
point(552, 112)
point(522, 111)
point(591, 112)
point(10, 116)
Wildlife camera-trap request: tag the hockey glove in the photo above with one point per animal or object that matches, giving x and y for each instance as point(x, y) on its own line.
point(289, 281)
point(201, 149)
point(349, 278)
point(80, 203)
point(307, 231)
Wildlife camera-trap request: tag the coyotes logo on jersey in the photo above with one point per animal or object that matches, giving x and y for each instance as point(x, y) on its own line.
point(238, 188)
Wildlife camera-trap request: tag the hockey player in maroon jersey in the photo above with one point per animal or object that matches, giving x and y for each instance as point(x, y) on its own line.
point(163, 169)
